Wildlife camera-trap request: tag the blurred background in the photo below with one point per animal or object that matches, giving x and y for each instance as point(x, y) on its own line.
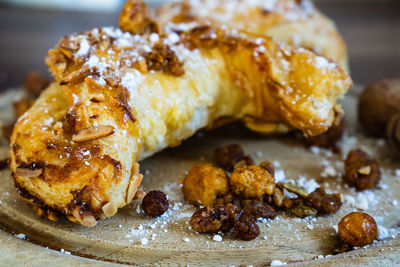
point(28, 28)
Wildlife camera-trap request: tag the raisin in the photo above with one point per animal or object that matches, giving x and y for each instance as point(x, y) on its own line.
point(155, 203)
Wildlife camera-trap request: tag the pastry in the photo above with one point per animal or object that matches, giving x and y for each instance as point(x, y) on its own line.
point(121, 95)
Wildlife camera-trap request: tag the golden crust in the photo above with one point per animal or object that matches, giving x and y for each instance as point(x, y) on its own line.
point(153, 91)
point(293, 22)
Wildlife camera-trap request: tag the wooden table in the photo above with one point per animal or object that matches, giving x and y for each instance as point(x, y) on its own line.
point(372, 32)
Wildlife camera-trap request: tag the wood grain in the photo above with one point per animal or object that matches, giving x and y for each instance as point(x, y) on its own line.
point(119, 239)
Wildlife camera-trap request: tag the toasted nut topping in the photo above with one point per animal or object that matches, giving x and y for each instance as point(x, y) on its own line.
point(296, 189)
point(278, 197)
point(28, 173)
point(366, 170)
point(91, 133)
point(302, 211)
point(139, 194)
point(109, 209)
point(52, 216)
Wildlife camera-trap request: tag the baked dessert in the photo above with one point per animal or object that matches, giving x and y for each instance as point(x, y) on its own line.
point(123, 94)
point(294, 22)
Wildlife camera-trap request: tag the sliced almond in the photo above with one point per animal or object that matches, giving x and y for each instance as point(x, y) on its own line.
point(139, 194)
point(84, 219)
point(28, 173)
point(366, 170)
point(109, 209)
point(132, 188)
point(92, 133)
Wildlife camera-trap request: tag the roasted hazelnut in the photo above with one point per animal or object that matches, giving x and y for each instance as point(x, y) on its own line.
point(325, 203)
point(393, 134)
point(378, 103)
point(258, 209)
point(362, 171)
point(227, 157)
point(155, 203)
point(357, 229)
point(252, 181)
point(204, 183)
point(245, 227)
point(327, 139)
point(268, 166)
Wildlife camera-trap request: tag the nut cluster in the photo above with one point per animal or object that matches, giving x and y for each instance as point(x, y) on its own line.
point(362, 171)
point(253, 190)
point(155, 203)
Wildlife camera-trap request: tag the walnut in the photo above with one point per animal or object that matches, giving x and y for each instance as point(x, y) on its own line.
point(155, 203)
point(214, 219)
point(362, 171)
point(268, 166)
point(258, 209)
point(35, 83)
point(227, 157)
point(378, 103)
point(393, 134)
point(357, 229)
point(245, 227)
point(252, 181)
point(92, 133)
point(325, 203)
point(204, 183)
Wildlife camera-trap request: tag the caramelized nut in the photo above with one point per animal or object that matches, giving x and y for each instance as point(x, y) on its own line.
point(155, 203)
point(227, 157)
point(325, 203)
point(302, 211)
point(258, 209)
point(92, 133)
point(245, 227)
point(296, 189)
point(362, 171)
point(393, 134)
point(204, 183)
point(3, 164)
point(252, 181)
point(268, 166)
point(278, 197)
point(327, 139)
point(212, 220)
point(357, 229)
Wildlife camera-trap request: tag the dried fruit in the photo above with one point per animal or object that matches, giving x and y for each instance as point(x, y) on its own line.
point(378, 103)
point(258, 209)
point(227, 157)
point(302, 211)
point(393, 134)
point(92, 133)
point(155, 203)
point(252, 181)
point(357, 229)
point(245, 227)
point(362, 171)
point(204, 183)
point(325, 203)
point(268, 166)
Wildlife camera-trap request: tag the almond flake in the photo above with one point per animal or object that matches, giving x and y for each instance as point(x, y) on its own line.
point(366, 170)
point(28, 173)
point(91, 133)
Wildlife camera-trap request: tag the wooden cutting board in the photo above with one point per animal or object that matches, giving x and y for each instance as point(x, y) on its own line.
point(130, 237)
